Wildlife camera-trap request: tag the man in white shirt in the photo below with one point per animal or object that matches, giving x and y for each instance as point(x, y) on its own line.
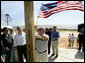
point(20, 43)
point(41, 46)
point(72, 38)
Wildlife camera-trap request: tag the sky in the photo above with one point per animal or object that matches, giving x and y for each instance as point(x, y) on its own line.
point(16, 11)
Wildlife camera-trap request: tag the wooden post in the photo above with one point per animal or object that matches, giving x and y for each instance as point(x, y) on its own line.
point(29, 25)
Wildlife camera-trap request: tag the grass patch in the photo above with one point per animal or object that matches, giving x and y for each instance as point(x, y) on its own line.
point(67, 30)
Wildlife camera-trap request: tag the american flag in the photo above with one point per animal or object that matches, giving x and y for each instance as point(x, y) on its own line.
point(47, 10)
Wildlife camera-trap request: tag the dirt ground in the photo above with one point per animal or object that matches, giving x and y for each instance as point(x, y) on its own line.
point(63, 40)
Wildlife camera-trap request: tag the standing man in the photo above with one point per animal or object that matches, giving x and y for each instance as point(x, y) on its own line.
point(20, 43)
point(81, 36)
point(7, 42)
point(54, 41)
point(49, 42)
point(41, 46)
point(13, 51)
point(72, 38)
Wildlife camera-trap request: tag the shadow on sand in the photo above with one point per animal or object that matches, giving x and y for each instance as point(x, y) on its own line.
point(51, 58)
point(79, 55)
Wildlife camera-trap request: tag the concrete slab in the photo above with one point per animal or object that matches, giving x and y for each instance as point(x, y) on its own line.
point(67, 55)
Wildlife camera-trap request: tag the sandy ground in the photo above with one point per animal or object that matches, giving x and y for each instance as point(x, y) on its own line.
point(63, 40)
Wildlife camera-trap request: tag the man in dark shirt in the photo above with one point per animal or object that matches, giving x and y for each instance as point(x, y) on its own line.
point(81, 35)
point(49, 42)
point(7, 42)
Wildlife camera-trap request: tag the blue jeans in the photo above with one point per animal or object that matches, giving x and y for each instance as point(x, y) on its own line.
point(12, 55)
point(8, 56)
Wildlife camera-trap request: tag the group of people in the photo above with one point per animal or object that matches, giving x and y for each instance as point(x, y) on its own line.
point(13, 45)
point(79, 41)
point(71, 39)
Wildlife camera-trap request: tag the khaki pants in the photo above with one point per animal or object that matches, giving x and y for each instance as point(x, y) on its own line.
point(72, 43)
point(41, 57)
point(55, 47)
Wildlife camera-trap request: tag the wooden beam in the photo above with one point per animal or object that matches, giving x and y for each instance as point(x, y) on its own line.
point(29, 26)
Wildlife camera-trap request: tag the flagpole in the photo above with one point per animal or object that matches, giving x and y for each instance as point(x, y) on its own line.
point(38, 17)
point(37, 20)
